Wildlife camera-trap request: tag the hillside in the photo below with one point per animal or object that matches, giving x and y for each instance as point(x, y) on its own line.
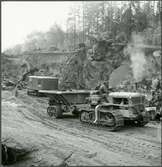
point(79, 67)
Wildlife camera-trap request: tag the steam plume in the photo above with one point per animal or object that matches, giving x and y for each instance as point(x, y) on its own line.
point(137, 57)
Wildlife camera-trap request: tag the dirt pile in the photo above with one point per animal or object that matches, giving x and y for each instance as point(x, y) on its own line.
point(25, 123)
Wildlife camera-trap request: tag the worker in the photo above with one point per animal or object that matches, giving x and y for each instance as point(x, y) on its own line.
point(103, 87)
point(103, 91)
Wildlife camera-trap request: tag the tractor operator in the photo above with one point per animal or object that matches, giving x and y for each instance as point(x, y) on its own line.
point(103, 90)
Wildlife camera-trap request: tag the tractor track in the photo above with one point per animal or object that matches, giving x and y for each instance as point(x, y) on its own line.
point(89, 145)
point(114, 142)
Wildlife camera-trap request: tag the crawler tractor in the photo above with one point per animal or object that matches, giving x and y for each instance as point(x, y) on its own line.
point(121, 108)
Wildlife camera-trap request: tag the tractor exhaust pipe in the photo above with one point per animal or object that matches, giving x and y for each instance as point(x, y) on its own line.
point(96, 113)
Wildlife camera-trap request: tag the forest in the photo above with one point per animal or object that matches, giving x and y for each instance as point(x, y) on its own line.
point(109, 19)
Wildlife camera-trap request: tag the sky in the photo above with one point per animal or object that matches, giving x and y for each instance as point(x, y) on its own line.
point(18, 19)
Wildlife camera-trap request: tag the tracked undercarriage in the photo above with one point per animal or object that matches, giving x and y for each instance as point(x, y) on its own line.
point(111, 119)
point(123, 107)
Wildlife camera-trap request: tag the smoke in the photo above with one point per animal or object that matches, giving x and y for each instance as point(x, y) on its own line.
point(137, 56)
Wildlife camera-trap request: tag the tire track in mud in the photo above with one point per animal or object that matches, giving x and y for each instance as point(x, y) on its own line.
point(140, 150)
point(90, 143)
point(114, 142)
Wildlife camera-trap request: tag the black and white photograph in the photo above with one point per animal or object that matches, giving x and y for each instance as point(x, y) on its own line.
point(81, 83)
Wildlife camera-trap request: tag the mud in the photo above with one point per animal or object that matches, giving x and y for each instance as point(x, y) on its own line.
point(26, 123)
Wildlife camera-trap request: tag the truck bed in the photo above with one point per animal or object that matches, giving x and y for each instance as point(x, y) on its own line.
point(68, 96)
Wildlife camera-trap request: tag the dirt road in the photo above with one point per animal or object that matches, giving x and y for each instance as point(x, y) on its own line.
point(25, 122)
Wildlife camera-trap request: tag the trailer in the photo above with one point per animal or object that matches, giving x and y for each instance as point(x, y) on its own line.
point(65, 101)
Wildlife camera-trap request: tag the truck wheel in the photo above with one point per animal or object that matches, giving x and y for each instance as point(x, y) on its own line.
point(54, 111)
